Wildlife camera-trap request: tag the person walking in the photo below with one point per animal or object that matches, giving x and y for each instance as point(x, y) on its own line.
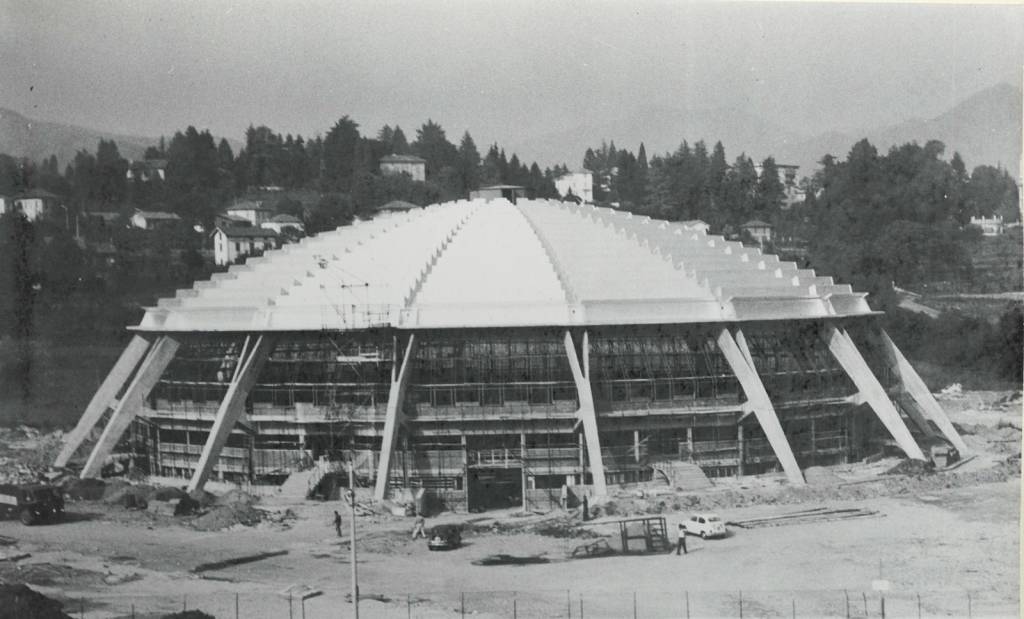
point(681, 540)
point(337, 523)
point(417, 527)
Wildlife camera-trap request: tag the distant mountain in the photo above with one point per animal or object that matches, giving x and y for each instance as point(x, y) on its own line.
point(662, 130)
point(985, 129)
point(24, 137)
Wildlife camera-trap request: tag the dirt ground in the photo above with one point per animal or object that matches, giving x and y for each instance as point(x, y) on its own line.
point(948, 541)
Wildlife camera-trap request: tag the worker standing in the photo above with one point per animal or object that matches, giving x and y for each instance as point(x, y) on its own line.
point(417, 527)
point(681, 540)
point(337, 523)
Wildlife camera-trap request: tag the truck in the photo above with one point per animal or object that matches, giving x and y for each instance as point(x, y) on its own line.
point(31, 503)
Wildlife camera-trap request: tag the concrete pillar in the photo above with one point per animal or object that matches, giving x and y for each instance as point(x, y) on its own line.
point(587, 412)
point(814, 444)
point(761, 405)
point(739, 450)
point(465, 471)
point(232, 407)
point(103, 398)
point(149, 372)
point(396, 398)
point(636, 445)
point(918, 391)
point(689, 440)
point(846, 353)
point(522, 466)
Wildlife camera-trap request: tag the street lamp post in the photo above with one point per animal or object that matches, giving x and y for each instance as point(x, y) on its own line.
point(352, 537)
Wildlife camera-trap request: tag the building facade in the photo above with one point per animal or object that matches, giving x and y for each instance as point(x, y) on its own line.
point(231, 243)
point(493, 352)
point(412, 165)
point(579, 184)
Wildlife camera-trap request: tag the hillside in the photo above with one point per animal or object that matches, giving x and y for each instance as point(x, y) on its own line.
point(985, 128)
point(21, 136)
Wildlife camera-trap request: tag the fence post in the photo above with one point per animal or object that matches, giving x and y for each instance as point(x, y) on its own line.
point(302, 601)
point(918, 606)
point(883, 605)
point(568, 603)
point(184, 602)
point(290, 605)
point(794, 608)
point(581, 606)
point(846, 595)
point(462, 604)
point(81, 608)
point(969, 614)
point(133, 611)
point(687, 605)
point(236, 606)
point(741, 604)
point(634, 605)
point(408, 606)
point(515, 609)
point(865, 596)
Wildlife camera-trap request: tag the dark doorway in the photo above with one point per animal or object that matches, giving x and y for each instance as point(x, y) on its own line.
point(495, 489)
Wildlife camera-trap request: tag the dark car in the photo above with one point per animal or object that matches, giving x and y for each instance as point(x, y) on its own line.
point(31, 503)
point(444, 537)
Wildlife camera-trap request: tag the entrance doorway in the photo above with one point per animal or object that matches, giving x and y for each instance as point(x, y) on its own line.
point(494, 489)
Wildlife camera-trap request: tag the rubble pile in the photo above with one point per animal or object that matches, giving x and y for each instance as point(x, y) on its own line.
point(20, 601)
point(26, 454)
point(229, 510)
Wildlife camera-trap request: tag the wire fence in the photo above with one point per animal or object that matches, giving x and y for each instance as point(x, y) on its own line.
point(566, 603)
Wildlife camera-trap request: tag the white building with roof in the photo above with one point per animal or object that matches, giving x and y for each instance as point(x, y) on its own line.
point(492, 352)
point(233, 242)
point(414, 166)
point(579, 184)
point(278, 223)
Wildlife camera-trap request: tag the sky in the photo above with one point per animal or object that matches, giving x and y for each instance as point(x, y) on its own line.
point(501, 70)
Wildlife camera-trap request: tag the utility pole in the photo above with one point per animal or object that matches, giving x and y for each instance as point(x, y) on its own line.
point(352, 536)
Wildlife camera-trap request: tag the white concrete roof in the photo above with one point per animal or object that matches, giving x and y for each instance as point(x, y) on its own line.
point(489, 263)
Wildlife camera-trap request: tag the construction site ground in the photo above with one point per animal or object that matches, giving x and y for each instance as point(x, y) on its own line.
point(947, 541)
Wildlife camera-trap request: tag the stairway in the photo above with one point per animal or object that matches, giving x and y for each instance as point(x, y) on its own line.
point(297, 486)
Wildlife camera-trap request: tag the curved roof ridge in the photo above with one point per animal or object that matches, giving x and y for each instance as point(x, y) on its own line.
point(560, 272)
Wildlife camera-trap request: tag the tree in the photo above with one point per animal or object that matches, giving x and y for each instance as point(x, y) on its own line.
point(432, 144)
point(469, 163)
point(339, 150)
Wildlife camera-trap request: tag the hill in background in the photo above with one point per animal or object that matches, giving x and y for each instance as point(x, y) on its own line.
point(21, 136)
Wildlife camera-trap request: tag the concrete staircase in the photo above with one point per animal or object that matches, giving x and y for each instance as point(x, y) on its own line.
point(297, 486)
point(683, 475)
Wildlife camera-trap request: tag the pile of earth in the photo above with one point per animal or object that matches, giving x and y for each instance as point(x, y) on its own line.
point(22, 602)
point(883, 486)
point(230, 509)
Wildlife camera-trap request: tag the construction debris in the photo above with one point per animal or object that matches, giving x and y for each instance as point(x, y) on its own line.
point(300, 592)
point(806, 516)
point(503, 559)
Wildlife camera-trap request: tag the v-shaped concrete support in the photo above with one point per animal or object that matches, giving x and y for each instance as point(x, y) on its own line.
point(846, 353)
point(254, 355)
point(915, 387)
point(159, 357)
point(760, 403)
point(587, 413)
point(396, 399)
point(103, 398)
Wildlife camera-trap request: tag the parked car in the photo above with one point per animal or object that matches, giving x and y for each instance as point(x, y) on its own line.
point(31, 503)
point(444, 537)
point(705, 525)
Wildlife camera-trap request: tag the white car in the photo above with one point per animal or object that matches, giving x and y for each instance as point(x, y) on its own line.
point(705, 525)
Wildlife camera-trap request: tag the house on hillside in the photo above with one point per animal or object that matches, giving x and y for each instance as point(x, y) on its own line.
point(496, 192)
point(35, 204)
point(990, 226)
point(412, 165)
point(154, 220)
point(579, 184)
point(231, 243)
point(252, 211)
point(760, 231)
point(147, 170)
point(223, 220)
point(788, 177)
point(278, 223)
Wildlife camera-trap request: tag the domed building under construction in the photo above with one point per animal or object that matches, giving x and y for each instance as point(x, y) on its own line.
point(494, 352)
